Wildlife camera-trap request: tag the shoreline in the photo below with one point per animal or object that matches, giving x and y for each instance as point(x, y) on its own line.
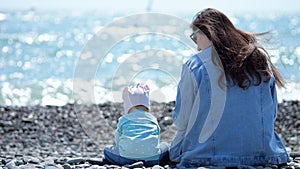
point(59, 133)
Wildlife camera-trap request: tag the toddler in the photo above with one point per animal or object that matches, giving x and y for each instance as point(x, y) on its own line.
point(137, 136)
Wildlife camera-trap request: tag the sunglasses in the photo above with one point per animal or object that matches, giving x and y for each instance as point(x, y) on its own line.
point(193, 35)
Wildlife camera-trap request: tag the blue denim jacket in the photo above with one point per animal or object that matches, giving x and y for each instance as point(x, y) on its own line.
point(223, 126)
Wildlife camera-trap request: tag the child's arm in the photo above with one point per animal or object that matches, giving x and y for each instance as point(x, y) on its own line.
point(117, 137)
point(118, 132)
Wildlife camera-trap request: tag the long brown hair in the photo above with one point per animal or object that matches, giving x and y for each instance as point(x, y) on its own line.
point(243, 59)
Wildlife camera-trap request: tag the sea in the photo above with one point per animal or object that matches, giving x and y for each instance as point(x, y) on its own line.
point(41, 53)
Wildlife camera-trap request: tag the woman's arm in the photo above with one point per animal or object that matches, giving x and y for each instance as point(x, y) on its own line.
point(186, 93)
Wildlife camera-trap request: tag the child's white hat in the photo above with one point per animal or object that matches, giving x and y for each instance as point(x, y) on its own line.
point(136, 95)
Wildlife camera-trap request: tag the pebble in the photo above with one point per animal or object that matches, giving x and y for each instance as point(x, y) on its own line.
point(67, 166)
point(96, 161)
point(52, 167)
point(157, 167)
point(295, 154)
point(11, 165)
point(32, 160)
point(77, 160)
point(166, 121)
point(138, 164)
point(52, 137)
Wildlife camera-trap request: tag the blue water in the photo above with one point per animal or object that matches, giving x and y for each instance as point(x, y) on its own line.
point(39, 52)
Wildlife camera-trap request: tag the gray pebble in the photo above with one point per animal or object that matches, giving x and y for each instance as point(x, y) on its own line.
point(75, 160)
point(11, 165)
point(51, 167)
point(157, 167)
point(6, 160)
point(287, 167)
point(113, 167)
point(85, 165)
point(20, 162)
point(96, 167)
point(49, 159)
point(30, 166)
point(96, 161)
point(297, 158)
point(32, 160)
point(60, 160)
point(67, 166)
point(138, 164)
point(296, 165)
point(123, 167)
point(167, 120)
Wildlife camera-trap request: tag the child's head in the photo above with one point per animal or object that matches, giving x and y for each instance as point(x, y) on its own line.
point(136, 96)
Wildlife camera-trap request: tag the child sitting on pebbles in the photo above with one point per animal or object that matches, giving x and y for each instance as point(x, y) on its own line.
point(137, 136)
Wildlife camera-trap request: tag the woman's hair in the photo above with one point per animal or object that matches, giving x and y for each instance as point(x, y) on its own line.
point(243, 59)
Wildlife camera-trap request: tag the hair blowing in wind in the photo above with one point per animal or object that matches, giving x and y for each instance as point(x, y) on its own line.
point(245, 62)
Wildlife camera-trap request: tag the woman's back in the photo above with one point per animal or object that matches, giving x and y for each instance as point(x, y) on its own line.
point(226, 101)
point(242, 133)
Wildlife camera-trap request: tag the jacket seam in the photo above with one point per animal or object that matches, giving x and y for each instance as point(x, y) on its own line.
point(262, 119)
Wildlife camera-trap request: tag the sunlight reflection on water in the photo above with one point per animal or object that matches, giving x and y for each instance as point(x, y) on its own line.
point(39, 51)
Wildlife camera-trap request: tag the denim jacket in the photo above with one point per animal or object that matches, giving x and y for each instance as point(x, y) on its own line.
point(225, 126)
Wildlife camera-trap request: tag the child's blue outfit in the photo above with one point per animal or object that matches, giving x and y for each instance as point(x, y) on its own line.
point(137, 138)
point(230, 128)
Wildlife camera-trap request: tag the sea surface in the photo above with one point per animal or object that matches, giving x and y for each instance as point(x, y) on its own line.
point(40, 50)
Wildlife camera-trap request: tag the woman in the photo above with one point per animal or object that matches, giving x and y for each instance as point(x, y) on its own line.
point(226, 101)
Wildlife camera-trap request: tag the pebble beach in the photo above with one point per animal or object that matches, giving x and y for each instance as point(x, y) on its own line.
point(73, 136)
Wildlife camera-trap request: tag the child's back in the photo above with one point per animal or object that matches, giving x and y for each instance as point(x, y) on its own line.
point(138, 134)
